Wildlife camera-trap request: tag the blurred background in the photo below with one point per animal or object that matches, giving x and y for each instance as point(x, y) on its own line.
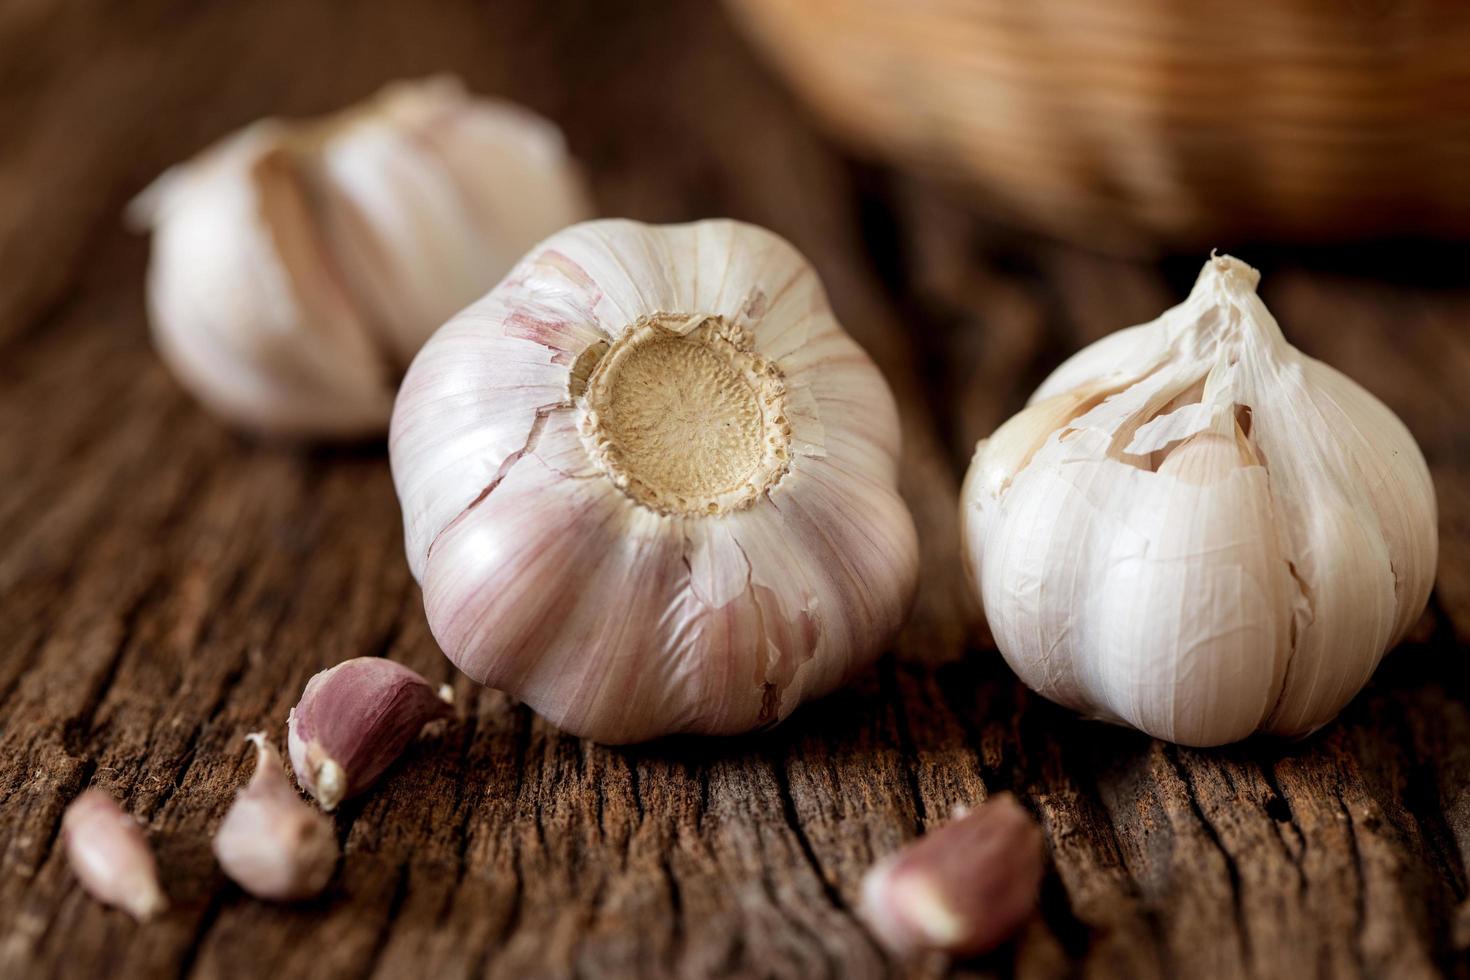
point(1133, 126)
point(1147, 125)
point(932, 144)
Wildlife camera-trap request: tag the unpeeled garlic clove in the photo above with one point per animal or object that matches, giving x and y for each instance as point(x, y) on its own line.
point(110, 855)
point(1228, 540)
point(353, 721)
point(1011, 446)
point(963, 888)
point(298, 266)
point(649, 484)
point(271, 843)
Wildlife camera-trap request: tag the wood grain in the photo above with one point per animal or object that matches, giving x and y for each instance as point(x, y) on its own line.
point(169, 586)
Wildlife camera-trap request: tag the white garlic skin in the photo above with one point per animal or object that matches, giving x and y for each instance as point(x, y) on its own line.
point(298, 266)
point(618, 616)
point(1196, 530)
point(272, 843)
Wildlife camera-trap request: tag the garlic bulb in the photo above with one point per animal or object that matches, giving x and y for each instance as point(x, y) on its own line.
point(648, 483)
point(298, 266)
point(1196, 530)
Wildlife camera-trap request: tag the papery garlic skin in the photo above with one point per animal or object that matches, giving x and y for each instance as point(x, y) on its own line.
point(354, 720)
point(1196, 530)
point(648, 484)
point(110, 856)
point(298, 266)
point(963, 888)
point(271, 843)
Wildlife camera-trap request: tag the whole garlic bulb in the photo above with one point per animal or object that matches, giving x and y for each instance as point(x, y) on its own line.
point(298, 266)
point(1196, 530)
point(648, 483)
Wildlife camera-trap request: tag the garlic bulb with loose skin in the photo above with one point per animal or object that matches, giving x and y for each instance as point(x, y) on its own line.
point(648, 484)
point(1197, 530)
point(298, 266)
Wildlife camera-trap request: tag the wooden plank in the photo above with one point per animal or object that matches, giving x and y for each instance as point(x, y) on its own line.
point(169, 586)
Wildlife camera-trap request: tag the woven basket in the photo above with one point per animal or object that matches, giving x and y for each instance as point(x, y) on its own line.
point(1137, 124)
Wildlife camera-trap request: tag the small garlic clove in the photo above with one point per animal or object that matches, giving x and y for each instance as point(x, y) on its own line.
point(110, 856)
point(999, 458)
point(1207, 457)
point(271, 843)
point(964, 888)
point(353, 721)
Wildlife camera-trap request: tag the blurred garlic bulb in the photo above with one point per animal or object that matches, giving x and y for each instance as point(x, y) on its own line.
point(1197, 530)
point(648, 484)
point(298, 266)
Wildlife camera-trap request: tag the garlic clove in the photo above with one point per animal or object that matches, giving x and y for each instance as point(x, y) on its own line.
point(110, 856)
point(271, 843)
point(397, 220)
point(1226, 542)
point(352, 723)
point(1361, 517)
point(1230, 615)
point(411, 209)
point(1207, 457)
point(1011, 447)
point(676, 470)
point(433, 187)
point(963, 888)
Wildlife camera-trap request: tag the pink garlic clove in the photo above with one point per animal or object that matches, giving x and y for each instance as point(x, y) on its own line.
point(110, 855)
point(964, 888)
point(271, 843)
point(354, 720)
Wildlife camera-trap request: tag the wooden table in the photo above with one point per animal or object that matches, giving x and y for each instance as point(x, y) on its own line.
point(168, 586)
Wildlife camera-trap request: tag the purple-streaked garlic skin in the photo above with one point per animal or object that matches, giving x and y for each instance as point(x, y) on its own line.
point(271, 843)
point(110, 856)
point(964, 888)
point(353, 721)
point(649, 484)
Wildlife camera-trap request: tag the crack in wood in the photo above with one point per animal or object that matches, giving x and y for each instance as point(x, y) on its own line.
point(888, 668)
point(1212, 834)
point(390, 919)
point(1279, 809)
point(1359, 898)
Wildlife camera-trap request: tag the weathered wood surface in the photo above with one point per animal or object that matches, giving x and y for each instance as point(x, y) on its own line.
point(168, 586)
